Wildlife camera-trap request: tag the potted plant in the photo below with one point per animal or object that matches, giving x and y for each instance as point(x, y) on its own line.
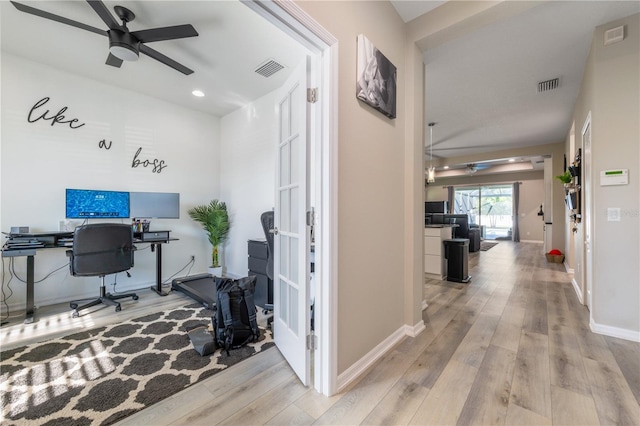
point(214, 219)
point(565, 177)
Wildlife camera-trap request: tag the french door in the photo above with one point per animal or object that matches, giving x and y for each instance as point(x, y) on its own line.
point(291, 324)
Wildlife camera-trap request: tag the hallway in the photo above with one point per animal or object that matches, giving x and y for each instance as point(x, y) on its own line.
point(511, 347)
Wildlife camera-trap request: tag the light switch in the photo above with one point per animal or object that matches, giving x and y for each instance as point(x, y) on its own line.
point(613, 214)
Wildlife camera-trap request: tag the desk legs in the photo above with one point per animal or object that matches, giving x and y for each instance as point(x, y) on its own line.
point(30, 313)
point(158, 286)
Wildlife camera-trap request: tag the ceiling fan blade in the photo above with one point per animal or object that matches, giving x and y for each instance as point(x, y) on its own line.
point(104, 14)
point(41, 13)
point(164, 59)
point(165, 33)
point(113, 61)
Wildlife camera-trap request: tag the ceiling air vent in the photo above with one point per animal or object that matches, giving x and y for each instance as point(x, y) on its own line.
point(545, 86)
point(269, 68)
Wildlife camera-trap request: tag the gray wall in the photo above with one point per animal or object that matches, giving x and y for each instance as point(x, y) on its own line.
point(370, 180)
point(611, 92)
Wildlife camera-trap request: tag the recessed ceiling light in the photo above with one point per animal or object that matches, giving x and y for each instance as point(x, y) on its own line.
point(511, 160)
point(198, 93)
point(446, 167)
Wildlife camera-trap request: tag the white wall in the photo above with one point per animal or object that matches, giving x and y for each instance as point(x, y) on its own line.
point(247, 175)
point(40, 160)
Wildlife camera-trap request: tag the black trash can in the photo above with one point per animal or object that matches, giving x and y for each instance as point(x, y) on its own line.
point(456, 251)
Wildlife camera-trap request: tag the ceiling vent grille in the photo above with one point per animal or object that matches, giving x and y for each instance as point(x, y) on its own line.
point(545, 86)
point(614, 35)
point(269, 68)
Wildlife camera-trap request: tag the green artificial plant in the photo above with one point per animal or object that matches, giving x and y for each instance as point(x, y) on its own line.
point(565, 177)
point(215, 221)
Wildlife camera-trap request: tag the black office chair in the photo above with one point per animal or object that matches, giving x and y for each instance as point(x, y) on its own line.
point(267, 226)
point(267, 220)
point(98, 250)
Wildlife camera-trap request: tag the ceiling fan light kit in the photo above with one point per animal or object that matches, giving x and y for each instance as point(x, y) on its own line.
point(123, 44)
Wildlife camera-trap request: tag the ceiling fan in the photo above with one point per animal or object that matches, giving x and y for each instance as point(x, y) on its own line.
point(123, 44)
point(474, 167)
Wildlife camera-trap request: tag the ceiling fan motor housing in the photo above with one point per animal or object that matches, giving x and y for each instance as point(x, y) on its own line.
point(123, 45)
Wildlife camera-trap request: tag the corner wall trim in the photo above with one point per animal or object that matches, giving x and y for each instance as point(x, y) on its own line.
point(578, 291)
point(621, 333)
point(359, 367)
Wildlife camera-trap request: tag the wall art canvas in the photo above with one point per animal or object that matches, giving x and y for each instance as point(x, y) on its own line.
point(376, 78)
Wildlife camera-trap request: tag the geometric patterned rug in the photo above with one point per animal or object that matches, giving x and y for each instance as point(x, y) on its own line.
point(101, 376)
point(486, 245)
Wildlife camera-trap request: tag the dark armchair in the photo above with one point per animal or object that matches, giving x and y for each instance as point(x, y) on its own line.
point(98, 250)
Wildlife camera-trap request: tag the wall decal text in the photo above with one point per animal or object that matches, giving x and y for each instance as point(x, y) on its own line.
point(104, 144)
point(57, 118)
point(158, 165)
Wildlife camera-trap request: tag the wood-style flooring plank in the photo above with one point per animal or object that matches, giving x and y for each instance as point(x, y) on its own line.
point(474, 345)
point(517, 415)
point(293, 416)
point(531, 387)
point(268, 405)
point(444, 402)
point(489, 395)
point(615, 403)
point(217, 409)
point(357, 403)
point(571, 408)
point(565, 361)
point(398, 405)
point(535, 317)
point(627, 355)
point(507, 334)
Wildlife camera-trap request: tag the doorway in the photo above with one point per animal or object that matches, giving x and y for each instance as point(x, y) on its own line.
point(322, 47)
point(488, 206)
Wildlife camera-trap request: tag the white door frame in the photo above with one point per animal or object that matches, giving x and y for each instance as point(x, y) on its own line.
point(290, 18)
point(587, 212)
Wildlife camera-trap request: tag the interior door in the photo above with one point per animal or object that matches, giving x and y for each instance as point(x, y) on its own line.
point(587, 210)
point(291, 323)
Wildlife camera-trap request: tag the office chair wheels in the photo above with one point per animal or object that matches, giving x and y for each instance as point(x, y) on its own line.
point(73, 305)
point(118, 308)
point(75, 314)
point(135, 297)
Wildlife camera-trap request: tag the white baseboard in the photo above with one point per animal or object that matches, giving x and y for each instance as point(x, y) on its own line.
point(360, 366)
point(415, 330)
point(621, 333)
point(532, 241)
point(578, 290)
point(567, 268)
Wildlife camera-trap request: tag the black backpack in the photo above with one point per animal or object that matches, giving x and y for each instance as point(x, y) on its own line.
point(235, 322)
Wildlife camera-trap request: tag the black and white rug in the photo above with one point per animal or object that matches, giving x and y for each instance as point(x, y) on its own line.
point(487, 245)
point(101, 376)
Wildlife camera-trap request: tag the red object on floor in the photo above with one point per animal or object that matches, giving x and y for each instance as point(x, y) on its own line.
point(555, 252)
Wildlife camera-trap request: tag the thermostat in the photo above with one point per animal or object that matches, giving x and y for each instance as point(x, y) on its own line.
point(614, 177)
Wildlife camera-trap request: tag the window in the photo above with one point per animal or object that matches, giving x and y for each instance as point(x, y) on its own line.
point(490, 207)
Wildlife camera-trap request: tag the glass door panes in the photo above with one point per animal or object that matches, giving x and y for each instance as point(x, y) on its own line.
point(489, 206)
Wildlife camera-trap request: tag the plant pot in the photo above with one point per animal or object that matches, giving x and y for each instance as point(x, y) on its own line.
point(216, 272)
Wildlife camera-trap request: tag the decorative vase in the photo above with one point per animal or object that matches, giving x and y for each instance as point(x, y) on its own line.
point(216, 272)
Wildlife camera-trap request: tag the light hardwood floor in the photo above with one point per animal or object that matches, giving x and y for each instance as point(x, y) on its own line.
point(511, 347)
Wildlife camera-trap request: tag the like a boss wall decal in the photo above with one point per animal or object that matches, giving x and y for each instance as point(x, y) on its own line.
point(40, 113)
